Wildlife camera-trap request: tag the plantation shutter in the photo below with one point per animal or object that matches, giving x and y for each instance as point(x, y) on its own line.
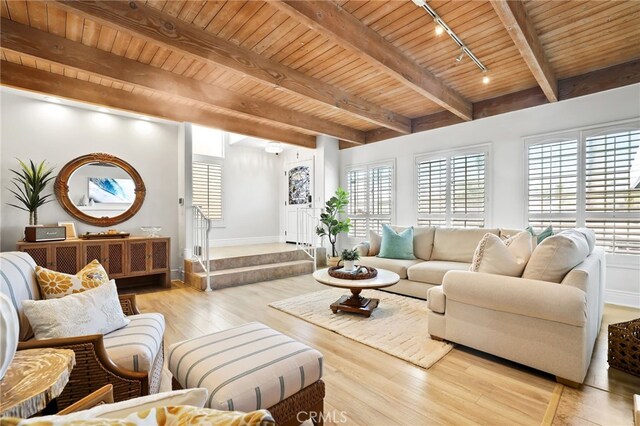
point(553, 184)
point(207, 189)
point(468, 190)
point(380, 196)
point(612, 205)
point(370, 198)
point(432, 192)
point(357, 207)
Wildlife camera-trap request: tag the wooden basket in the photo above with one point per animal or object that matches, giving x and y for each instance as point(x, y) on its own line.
point(624, 346)
point(363, 273)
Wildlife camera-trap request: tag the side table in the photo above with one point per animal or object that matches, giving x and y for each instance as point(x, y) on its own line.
point(34, 379)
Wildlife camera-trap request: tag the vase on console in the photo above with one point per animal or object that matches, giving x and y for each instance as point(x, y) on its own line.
point(9, 329)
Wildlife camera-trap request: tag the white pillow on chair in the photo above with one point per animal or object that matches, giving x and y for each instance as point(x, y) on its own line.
point(95, 311)
point(502, 257)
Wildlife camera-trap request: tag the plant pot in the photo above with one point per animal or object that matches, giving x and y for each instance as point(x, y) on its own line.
point(349, 265)
point(9, 330)
point(332, 261)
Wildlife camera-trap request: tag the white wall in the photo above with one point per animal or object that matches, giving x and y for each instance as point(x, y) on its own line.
point(507, 175)
point(38, 130)
point(251, 197)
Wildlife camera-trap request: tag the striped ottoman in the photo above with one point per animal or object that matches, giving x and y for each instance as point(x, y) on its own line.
point(252, 367)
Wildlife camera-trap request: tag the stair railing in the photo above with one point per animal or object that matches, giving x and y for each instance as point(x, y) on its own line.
point(307, 240)
point(201, 230)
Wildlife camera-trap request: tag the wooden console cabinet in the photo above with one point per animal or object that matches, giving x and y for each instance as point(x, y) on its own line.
point(130, 261)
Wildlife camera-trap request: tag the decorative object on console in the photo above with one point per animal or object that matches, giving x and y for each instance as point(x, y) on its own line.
point(624, 346)
point(10, 332)
point(151, 231)
point(112, 180)
point(54, 285)
point(71, 229)
point(30, 183)
point(104, 235)
point(396, 245)
point(34, 234)
point(330, 226)
point(349, 257)
point(503, 257)
point(95, 311)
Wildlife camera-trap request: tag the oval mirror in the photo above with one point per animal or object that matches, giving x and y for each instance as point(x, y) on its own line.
point(100, 189)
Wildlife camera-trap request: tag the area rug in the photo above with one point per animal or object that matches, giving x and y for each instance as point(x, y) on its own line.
point(398, 326)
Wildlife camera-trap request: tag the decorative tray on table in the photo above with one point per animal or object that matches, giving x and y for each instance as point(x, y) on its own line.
point(101, 235)
point(360, 273)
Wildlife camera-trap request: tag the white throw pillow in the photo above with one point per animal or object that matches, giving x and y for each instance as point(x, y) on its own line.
point(554, 257)
point(195, 397)
point(95, 311)
point(502, 257)
point(375, 240)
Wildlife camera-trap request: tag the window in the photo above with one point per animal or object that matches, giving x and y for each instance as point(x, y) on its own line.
point(586, 180)
point(207, 188)
point(370, 205)
point(451, 189)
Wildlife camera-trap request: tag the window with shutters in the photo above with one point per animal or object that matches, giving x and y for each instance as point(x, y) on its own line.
point(588, 180)
point(207, 188)
point(371, 198)
point(451, 189)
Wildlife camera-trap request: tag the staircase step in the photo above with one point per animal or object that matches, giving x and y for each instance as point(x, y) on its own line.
point(251, 274)
point(251, 260)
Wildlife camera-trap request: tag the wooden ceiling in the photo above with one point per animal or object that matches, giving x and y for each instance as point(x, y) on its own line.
point(360, 71)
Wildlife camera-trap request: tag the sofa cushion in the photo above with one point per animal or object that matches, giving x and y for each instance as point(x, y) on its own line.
point(557, 255)
point(436, 301)
point(18, 283)
point(503, 257)
point(433, 271)
point(422, 240)
point(95, 311)
point(508, 233)
point(375, 240)
point(54, 284)
point(396, 245)
point(457, 244)
point(136, 346)
point(543, 235)
point(398, 266)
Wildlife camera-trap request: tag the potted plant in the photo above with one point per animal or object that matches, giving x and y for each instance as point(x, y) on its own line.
point(30, 182)
point(349, 258)
point(330, 225)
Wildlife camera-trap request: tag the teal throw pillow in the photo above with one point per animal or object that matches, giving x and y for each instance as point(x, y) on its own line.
point(396, 245)
point(546, 233)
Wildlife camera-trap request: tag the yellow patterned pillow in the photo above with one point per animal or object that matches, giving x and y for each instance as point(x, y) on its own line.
point(54, 285)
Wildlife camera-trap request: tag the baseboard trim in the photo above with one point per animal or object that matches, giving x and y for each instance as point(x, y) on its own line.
point(244, 241)
point(623, 298)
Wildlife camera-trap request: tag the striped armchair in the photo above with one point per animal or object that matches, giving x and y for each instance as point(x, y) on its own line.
point(130, 358)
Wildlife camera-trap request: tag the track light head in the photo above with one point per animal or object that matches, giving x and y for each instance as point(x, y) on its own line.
point(460, 56)
point(439, 30)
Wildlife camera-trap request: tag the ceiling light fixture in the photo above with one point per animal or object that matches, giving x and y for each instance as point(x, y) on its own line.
point(485, 78)
point(439, 29)
point(103, 109)
point(52, 99)
point(440, 23)
point(274, 148)
point(460, 56)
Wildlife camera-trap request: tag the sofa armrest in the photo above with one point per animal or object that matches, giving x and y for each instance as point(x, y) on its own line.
point(363, 248)
point(128, 303)
point(104, 395)
point(532, 298)
point(93, 370)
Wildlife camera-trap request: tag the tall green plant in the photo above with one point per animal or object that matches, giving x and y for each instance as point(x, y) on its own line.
point(330, 225)
point(30, 182)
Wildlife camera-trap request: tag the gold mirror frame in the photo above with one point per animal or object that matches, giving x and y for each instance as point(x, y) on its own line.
point(61, 189)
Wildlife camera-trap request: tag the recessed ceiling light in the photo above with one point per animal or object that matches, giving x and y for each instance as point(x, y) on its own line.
point(103, 109)
point(144, 117)
point(52, 99)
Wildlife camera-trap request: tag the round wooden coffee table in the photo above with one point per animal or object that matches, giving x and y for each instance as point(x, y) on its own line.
point(354, 302)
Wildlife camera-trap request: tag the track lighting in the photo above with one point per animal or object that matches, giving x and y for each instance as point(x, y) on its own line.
point(460, 56)
point(439, 29)
point(485, 78)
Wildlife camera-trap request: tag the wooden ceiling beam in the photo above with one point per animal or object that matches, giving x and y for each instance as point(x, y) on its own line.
point(344, 29)
point(586, 84)
point(135, 18)
point(32, 79)
point(514, 17)
point(34, 43)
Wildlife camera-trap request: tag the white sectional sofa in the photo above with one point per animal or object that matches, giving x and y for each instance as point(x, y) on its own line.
point(549, 326)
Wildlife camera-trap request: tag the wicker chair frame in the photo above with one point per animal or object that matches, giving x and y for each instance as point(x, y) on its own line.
point(94, 369)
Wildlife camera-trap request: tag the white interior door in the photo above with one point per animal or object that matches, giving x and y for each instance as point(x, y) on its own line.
point(298, 194)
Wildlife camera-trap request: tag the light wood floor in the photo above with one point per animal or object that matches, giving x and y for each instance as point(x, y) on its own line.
point(368, 387)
